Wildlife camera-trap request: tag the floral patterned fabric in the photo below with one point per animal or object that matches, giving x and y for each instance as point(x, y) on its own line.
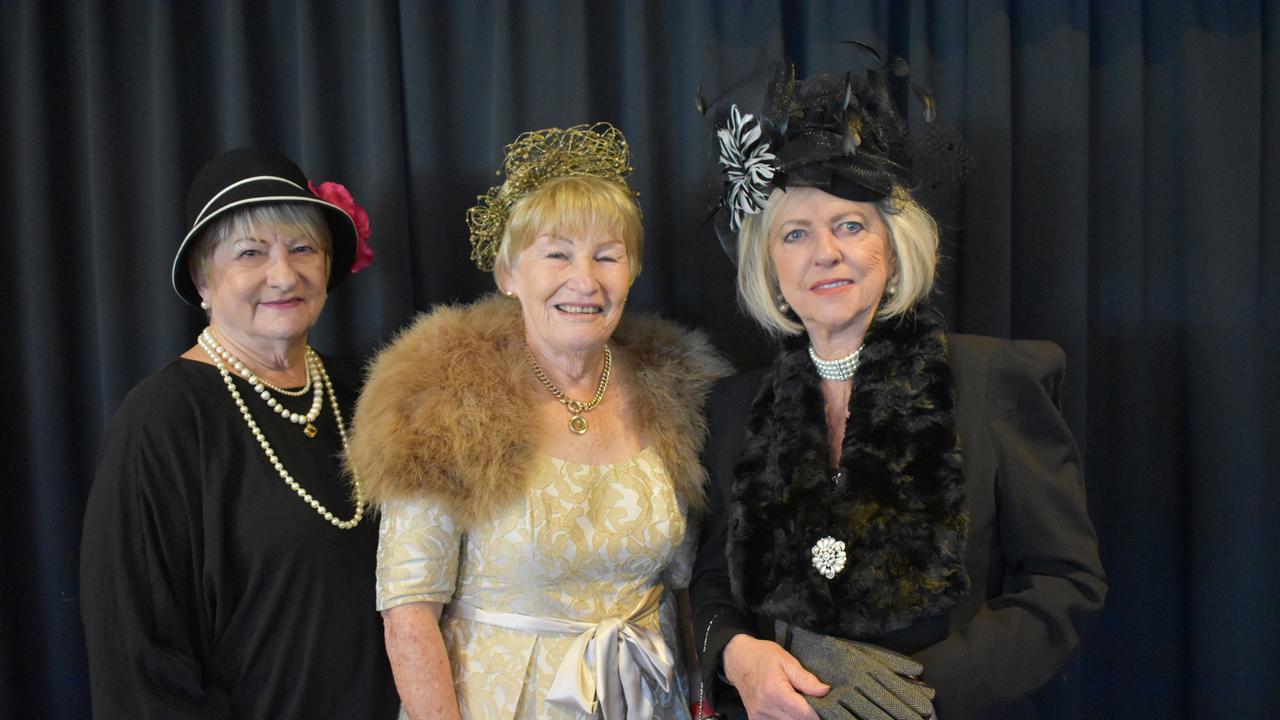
point(585, 544)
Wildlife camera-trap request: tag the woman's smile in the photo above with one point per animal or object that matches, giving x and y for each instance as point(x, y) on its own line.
point(285, 304)
point(831, 287)
point(579, 311)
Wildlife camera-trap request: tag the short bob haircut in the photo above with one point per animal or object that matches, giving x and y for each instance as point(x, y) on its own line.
point(913, 241)
point(568, 204)
point(305, 216)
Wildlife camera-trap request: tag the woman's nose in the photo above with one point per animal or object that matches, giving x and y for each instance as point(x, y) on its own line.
point(583, 276)
point(280, 269)
point(827, 251)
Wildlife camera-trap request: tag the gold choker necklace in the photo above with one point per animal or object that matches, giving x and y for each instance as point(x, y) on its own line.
point(577, 423)
point(216, 354)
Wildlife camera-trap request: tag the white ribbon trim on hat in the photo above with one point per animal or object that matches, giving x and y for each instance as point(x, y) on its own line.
point(597, 670)
point(238, 183)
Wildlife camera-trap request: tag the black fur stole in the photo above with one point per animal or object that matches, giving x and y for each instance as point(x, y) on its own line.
point(899, 510)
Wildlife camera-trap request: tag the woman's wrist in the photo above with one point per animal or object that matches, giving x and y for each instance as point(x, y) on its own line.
point(730, 658)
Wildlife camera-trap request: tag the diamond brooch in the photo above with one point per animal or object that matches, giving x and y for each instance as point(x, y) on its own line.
point(828, 556)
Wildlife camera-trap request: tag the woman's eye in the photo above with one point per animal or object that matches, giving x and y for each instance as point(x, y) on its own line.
point(793, 235)
point(851, 226)
point(248, 252)
point(607, 258)
point(304, 249)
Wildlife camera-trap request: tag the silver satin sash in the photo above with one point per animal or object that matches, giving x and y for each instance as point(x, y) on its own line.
point(607, 662)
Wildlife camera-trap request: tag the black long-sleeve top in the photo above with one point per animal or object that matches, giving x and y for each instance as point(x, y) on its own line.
point(209, 589)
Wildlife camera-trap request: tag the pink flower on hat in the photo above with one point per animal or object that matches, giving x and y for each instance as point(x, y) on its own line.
point(338, 194)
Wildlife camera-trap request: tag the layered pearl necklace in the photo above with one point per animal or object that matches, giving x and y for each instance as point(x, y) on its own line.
point(839, 369)
point(263, 389)
point(318, 379)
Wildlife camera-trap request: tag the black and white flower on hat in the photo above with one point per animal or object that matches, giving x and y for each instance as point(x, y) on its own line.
point(749, 165)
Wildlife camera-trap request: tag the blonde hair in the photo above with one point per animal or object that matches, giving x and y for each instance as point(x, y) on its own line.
point(569, 204)
point(913, 247)
point(306, 216)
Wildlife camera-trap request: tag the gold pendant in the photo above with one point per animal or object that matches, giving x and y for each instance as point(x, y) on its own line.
point(578, 424)
point(309, 430)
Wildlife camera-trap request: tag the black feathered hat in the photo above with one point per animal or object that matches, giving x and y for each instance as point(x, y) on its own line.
point(841, 134)
point(244, 177)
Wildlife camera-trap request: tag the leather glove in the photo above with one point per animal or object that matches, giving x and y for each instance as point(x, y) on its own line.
point(867, 682)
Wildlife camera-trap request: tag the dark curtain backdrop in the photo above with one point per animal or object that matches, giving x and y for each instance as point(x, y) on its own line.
point(1124, 203)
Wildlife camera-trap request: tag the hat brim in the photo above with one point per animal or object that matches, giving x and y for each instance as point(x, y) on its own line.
point(342, 231)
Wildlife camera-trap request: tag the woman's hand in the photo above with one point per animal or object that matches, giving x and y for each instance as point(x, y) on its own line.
point(419, 662)
point(769, 680)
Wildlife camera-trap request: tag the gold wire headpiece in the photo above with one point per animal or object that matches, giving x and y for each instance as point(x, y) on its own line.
point(598, 150)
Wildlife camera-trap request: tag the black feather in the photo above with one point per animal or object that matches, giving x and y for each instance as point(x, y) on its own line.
point(874, 53)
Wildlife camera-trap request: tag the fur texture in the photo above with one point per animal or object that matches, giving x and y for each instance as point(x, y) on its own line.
point(900, 510)
point(445, 411)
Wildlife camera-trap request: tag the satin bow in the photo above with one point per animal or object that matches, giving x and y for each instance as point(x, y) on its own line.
point(606, 665)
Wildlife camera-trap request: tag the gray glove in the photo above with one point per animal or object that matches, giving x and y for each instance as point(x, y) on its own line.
point(867, 682)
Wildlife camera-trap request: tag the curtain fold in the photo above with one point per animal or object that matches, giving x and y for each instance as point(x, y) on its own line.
point(1123, 204)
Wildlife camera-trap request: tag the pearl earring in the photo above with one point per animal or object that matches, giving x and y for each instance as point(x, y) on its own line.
point(783, 307)
point(204, 305)
point(891, 289)
point(509, 294)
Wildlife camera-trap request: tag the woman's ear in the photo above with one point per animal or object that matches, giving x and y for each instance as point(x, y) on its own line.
point(502, 277)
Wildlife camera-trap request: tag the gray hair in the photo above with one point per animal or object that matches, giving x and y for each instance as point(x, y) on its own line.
point(307, 216)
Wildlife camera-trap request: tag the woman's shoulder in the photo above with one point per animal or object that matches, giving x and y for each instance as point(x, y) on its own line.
point(168, 394)
point(449, 330)
point(434, 404)
point(984, 349)
point(158, 419)
point(666, 349)
point(1007, 369)
point(448, 352)
point(732, 395)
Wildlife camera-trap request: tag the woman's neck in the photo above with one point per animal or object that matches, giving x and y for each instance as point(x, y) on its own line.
point(575, 371)
point(836, 343)
point(835, 397)
point(280, 362)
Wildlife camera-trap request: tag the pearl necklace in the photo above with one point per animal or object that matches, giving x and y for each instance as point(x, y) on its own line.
point(306, 388)
point(216, 354)
point(841, 369)
point(263, 388)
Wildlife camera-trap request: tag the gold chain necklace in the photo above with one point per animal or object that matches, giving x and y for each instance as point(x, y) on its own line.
point(577, 423)
point(207, 344)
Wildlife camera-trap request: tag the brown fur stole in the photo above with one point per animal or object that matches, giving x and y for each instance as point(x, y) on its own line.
point(446, 408)
point(899, 510)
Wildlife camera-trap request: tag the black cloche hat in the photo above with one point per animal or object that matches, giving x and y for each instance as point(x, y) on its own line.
point(239, 178)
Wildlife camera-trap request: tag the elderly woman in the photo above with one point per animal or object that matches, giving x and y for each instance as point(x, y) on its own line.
point(226, 571)
point(885, 485)
point(535, 457)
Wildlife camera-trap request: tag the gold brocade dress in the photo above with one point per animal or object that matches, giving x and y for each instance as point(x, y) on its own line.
point(586, 543)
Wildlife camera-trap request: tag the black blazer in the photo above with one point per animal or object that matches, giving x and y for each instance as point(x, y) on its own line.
point(1031, 557)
